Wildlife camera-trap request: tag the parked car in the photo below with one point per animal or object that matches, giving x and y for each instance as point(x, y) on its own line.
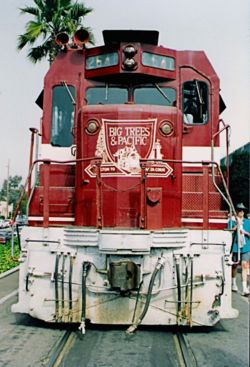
point(5, 223)
point(21, 220)
point(5, 236)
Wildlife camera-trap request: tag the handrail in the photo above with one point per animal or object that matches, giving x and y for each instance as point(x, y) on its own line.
point(227, 128)
point(34, 132)
point(227, 198)
point(45, 160)
point(99, 216)
point(226, 184)
point(32, 189)
point(47, 163)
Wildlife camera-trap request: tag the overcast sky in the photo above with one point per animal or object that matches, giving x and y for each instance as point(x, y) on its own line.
point(219, 27)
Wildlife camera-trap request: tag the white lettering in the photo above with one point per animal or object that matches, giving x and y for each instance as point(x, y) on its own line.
point(115, 131)
point(128, 135)
point(113, 141)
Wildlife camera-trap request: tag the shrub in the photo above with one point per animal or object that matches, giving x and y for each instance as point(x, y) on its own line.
point(8, 262)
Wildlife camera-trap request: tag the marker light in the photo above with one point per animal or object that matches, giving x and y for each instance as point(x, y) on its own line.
point(166, 128)
point(92, 127)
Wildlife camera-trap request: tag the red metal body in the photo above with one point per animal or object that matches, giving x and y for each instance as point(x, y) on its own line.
point(97, 187)
point(125, 212)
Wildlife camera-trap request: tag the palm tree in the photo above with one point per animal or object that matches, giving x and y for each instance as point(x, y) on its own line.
point(50, 18)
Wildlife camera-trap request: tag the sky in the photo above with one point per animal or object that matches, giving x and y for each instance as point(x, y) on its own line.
point(221, 28)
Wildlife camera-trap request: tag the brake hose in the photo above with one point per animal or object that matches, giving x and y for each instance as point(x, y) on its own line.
point(135, 324)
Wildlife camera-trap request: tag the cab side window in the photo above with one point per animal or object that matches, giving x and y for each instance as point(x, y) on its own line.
point(62, 117)
point(195, 102)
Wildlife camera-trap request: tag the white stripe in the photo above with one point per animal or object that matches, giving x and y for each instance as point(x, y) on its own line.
point(55, 153)
point(199, 154)
point(218, 220)
point(12, 294)
point(192, 220)
point(53, 219)
point(200, 220)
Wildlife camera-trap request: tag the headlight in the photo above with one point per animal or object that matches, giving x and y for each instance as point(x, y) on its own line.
point(129, 63)
point(129, 51)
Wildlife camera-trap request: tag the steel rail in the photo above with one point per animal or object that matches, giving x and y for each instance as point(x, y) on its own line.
point(59, 350)
point(184, 351)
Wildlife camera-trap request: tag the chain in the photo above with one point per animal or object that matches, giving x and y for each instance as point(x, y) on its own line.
point(125, 190)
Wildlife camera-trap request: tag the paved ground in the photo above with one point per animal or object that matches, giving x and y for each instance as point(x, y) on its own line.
point(227, 344)
point(23, 340)
point(8, 284)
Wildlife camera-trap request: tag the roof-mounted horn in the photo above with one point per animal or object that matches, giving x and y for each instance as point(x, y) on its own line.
point(62, 39)
point(81, 37)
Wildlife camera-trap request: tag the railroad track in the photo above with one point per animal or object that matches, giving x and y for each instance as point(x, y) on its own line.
point(65, 345)
point(61, 348)
point(184, 351)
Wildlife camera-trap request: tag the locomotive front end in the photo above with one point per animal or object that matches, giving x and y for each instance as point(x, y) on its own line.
point(125, 227)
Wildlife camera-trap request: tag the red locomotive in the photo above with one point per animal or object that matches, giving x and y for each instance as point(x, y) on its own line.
point(125, 213)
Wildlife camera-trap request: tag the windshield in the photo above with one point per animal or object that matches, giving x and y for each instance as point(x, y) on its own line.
point(62, 116)
point(155, 96)
point(151, 95)
point(106, 95)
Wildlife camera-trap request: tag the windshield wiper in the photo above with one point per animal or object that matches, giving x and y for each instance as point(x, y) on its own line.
point(199, 92)
point(69, 93)
point(106, 91)
point(162, 92)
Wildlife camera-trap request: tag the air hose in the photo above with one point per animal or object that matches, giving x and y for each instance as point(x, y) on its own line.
point(70, 287)
point(178, 292)
point(56, 287)
point(85, 269)
point(135, 324)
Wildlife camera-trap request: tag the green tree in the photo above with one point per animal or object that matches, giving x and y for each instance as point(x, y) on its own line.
point(11, 191)
point(50, 18)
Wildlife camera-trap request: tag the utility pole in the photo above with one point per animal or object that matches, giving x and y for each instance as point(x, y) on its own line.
point(7, 189)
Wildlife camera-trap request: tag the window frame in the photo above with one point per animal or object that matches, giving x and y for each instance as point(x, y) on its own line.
point(194, 100)
point(64, 141)
point(153, 86)
point(131, 88)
